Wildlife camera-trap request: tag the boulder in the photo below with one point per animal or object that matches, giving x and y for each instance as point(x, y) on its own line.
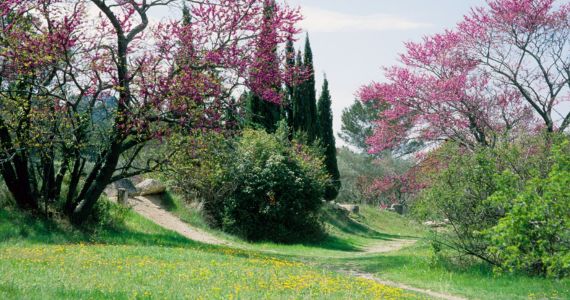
point(398, 208)
point(112, 189)
point(150, 187)
point(350, 208)
point(435, 224)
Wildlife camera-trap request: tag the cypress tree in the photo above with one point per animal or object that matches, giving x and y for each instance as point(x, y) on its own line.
point(287, 109)
point(310, 94)
point(260, 112)
point(304, 97)
point(298, 101)
point(326, 136)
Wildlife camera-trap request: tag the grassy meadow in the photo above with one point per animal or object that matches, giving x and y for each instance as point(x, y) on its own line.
point(137, 259)
point(142, 261)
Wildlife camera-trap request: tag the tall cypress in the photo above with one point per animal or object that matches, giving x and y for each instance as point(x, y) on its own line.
point(287, 109)
point(310, 94)
point(304, 97)
point(298, 102)
point(260, 112)
point(326, 136)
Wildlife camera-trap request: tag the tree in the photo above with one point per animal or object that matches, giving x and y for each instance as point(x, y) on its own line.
point(439, 94)
point(525, 44)
point(305, 98)
point(55, 73)
point(260, 111)
point(358, 124)
point(288, 105)
point(326, 137)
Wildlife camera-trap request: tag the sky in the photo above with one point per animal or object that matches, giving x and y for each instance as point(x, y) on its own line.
point(353, 39)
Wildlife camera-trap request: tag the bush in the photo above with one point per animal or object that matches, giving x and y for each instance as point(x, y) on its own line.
point(198, 171)
point(279, 187)
point(534, 234)
point(462, 184)
point(259, 186)
point(359, 171)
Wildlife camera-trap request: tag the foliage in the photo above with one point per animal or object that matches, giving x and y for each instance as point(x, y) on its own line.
point(305, 97)
point(327, 140)
point(360, 171)
point(358, 124)
point(481, 82)
point(259, 186)
point(278, 189)
point(534, 234)
point(260, 111)
point(199, 170)
point(526, 45)
point(464, 184)
point(60, 64)
point(440, 94)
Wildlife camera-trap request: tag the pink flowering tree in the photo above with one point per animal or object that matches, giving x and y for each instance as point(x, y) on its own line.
point(525, 45)
point(439, 93)
point(396, 189)
point(87, 85)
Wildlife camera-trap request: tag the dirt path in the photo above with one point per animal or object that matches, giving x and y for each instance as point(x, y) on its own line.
point(436, 295)
point(150, 208)
point(388, 246)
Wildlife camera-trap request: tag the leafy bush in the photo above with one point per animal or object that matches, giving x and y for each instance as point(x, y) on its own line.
point(462, 184)
point(198, 171)
point(534, 234)
point(259, 186)
point(279, 187)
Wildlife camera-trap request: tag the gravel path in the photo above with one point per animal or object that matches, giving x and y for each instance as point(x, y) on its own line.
point(150, 208)
point(388, 246)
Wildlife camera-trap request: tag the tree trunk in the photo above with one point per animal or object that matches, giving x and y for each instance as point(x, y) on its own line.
point(86, 203)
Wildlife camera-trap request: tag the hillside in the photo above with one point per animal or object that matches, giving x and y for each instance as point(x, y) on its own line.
point(138, 259)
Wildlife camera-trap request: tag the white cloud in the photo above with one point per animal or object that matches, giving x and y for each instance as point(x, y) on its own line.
point(320, 20)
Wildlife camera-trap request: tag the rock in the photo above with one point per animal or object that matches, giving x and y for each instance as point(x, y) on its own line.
point(150, 187)
point(112, 189)
point(398, 208)
point(350, 208)
point(122, 196)
point(434, 224)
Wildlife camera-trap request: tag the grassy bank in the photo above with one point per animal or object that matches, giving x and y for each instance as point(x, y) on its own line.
point(40, 260)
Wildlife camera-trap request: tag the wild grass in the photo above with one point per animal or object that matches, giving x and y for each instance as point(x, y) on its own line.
point(139, 260)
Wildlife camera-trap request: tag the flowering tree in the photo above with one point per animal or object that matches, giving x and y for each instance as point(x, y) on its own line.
point(525, 44)
point(85, 85)
point(438, 94)
point(480, 81)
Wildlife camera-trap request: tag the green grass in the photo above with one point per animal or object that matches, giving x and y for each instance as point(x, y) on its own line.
point(137, 259)
point(417, 266)
point(48, 260)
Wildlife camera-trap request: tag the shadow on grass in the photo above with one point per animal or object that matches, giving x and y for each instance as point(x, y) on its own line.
point(17, 226)
point(168, 202)
point(348, 225)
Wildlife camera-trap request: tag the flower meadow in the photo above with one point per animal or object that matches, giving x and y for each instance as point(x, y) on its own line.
point(154, 272)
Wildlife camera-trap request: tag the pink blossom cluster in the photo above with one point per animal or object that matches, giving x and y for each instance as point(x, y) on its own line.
point(161, 72)
point(489, 79)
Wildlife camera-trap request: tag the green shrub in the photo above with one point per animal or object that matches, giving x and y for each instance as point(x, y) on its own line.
point(198, 171)
point(463, 182)
point(534, 234)
point(259, 186)
point(279, 187)
point(106, 214)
